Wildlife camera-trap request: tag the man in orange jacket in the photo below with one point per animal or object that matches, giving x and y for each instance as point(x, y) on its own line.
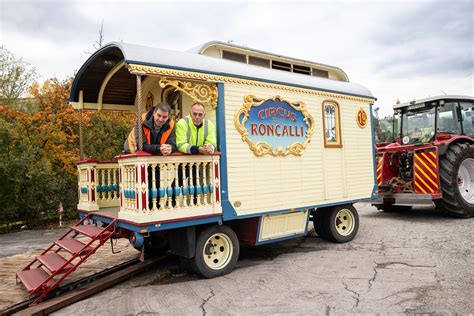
point(158, 132)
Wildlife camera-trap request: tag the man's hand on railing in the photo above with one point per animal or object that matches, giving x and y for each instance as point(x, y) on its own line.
point(206, 149)
point(165, 149)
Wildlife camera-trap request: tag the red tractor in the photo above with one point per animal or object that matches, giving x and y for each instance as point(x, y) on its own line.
point(432, 159)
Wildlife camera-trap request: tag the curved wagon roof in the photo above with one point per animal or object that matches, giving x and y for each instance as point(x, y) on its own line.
point(106, 73)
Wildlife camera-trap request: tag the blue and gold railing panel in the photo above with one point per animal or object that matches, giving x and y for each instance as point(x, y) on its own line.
point(155, 184)
point(98, 185)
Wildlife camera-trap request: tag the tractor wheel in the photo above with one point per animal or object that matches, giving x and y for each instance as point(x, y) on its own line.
point(457, 181)
point(338, 224)
point(390, 208)
point(217, 251)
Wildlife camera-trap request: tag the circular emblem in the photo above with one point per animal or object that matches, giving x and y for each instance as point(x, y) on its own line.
point(406, 139)
point(361, 118)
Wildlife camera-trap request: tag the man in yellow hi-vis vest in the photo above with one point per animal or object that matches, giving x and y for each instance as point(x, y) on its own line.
point(195, 134)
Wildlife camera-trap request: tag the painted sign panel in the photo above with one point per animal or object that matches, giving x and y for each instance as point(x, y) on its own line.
point(274, 126)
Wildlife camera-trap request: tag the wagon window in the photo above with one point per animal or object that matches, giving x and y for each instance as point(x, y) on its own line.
point(467, 110)
point(331, 123)
point(447, 119)
point(234, 56)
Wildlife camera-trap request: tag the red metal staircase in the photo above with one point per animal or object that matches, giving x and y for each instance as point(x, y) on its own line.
point(48, 270)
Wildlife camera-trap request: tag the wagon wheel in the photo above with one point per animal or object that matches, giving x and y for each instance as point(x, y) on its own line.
point(217, 251)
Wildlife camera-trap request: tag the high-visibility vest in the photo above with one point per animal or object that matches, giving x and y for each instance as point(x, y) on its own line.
point(132, 141)
point(192, 133)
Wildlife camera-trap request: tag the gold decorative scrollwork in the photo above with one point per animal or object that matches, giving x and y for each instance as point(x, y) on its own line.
point(151, 70)
point(261, 148)
point(198, 92)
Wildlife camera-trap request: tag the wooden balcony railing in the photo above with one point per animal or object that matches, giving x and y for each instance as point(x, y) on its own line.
point(156, 188)
point(98, 185)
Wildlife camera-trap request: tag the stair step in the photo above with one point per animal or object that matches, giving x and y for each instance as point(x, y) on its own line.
point(73, 246)
point(54, 262)
point(88, 230)
point(33, 278)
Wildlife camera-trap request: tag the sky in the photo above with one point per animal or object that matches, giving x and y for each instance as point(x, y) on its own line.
point(398, 49)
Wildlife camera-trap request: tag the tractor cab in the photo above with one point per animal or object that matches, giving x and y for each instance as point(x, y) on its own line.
point(421, 122)
point(434, 136)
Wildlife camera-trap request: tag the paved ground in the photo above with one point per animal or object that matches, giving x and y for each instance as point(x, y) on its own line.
point(414, 262)
point(20, 242)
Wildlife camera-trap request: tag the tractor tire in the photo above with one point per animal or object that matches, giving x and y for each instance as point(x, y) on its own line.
point(390, 208)
point(338, 223)
point(217, 251)
point(457, 181)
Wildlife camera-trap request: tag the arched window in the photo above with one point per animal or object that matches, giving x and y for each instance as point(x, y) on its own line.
point(149, 101)
point(331, 124)
point(173, 97)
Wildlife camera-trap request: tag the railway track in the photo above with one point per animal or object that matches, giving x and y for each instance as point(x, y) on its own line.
point(83, 288)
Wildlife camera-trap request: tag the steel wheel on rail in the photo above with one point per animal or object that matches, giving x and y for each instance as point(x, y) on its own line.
point(217, 251)
point(457, 180)
point(338, 224)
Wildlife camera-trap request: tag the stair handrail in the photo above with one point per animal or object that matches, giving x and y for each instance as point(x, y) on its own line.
point(53, 244)
point(46, 289)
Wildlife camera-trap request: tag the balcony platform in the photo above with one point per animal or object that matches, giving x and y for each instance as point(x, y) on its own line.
point(106, 215)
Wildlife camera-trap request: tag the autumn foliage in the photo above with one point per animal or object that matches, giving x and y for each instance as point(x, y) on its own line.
point(39, 148)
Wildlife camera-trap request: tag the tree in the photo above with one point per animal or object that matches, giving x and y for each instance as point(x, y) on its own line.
point(38, 151)
point(15, 76)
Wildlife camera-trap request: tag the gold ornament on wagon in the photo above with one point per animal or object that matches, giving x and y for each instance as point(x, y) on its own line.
point(361, 118)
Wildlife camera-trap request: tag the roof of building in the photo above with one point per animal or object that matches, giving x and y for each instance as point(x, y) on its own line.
point(434, 99)
point(96, 68)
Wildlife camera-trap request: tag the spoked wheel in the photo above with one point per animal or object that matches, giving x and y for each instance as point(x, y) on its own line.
point(339, 223)
point(457, 180)
point(217, 251)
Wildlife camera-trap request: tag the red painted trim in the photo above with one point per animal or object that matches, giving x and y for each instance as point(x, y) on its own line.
point(143, 200)
point(81, 162)
point(151, 223)
point(246, 230)
point(397, 148)
point(445, 138)
point(142, 169)
point(217, 194)
point(93, 190)
point(216, 169)
point(145, 154)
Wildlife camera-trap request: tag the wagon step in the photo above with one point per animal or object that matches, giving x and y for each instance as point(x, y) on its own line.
point(89, 230)
point(33, 278)
point(54, 262)
point(73, 246)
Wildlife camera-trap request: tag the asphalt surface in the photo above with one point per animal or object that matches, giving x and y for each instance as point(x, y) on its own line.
point(23, 241)
point(412, 262)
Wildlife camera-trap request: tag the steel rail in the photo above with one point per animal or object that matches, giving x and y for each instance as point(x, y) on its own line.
point(85, 287)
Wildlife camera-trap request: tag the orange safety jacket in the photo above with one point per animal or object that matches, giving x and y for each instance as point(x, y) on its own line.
point(132, 137)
